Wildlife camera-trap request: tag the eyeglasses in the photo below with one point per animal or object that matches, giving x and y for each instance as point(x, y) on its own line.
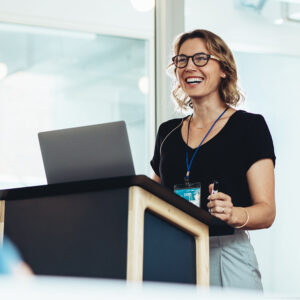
point(199, 59)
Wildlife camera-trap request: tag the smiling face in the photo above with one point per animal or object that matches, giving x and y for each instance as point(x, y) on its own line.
point(199, 82)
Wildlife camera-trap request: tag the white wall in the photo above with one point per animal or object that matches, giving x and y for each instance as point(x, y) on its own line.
point(84, 15)
point(244, 30)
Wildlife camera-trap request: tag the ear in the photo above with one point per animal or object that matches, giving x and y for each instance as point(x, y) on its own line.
point(223, 75)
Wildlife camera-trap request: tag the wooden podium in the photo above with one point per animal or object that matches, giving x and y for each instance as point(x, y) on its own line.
point(125, 228)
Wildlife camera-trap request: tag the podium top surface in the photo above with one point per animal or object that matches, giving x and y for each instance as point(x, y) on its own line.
point(216, 226)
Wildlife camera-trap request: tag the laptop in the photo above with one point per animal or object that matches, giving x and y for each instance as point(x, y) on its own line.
point(88, 152)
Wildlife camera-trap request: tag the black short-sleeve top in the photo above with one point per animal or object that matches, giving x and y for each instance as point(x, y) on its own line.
point(243, 140)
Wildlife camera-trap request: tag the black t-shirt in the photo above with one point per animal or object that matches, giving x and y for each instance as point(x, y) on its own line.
point(243, 140)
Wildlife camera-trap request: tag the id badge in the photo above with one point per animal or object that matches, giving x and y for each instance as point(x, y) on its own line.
point(189, 191)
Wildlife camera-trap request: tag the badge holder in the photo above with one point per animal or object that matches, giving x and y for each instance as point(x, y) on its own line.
point(190, 191)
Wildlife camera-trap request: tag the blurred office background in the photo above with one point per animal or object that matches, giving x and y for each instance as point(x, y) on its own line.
point(70, 63)
point(67, 64)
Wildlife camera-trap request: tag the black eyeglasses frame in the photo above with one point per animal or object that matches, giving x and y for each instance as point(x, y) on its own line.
point(208, 57)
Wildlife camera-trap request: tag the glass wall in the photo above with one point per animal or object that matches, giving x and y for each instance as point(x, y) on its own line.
point(267, 51)
point(53, 79)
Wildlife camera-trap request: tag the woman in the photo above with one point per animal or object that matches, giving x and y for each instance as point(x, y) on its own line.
point(218, 142)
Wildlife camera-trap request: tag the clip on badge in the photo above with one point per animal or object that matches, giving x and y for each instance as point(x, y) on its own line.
point(190, 191)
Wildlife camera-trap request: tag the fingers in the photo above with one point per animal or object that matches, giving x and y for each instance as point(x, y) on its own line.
point(219, 196)
point(216, 203)
point(218, 210)
point(220, 206)
point(210, 188)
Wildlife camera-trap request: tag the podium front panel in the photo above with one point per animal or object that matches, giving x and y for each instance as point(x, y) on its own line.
point(169, 252)
point(72, 235)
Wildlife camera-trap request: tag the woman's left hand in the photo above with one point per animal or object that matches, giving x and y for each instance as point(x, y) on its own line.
point(220, 206)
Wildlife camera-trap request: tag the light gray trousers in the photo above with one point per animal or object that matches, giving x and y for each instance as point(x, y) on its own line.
point(233, 263)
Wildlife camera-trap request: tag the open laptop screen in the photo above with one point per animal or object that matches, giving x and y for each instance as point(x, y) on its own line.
point(88, 152)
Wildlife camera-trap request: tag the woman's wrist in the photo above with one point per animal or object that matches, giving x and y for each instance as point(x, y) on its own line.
point(240, 217)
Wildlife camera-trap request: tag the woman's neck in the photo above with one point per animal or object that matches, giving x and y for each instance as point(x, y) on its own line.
point(206, 112)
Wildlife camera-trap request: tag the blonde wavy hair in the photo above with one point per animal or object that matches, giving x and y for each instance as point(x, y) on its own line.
point(228, 89)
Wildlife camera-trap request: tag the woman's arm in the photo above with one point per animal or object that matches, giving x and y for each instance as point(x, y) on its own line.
point(156, 178)
point(261, 182)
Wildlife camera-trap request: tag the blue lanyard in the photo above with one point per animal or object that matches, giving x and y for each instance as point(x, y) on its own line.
point(189, 164)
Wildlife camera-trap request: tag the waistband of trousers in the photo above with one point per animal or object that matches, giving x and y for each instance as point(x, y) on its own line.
point(224, 240)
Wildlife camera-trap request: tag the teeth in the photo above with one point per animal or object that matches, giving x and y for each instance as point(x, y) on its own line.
point(194, 80)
